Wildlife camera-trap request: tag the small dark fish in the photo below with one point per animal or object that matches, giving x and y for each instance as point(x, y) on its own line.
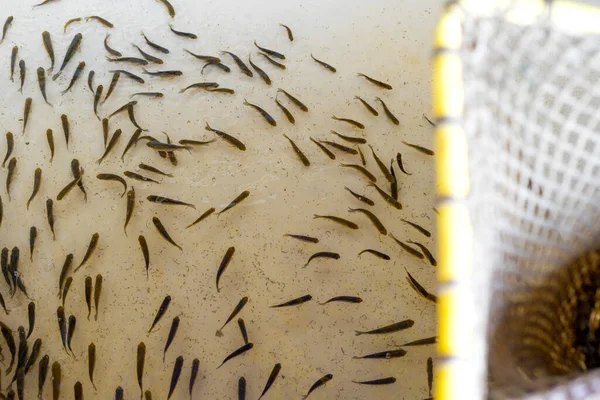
point(47, 40)
point(77, 172)
point(22, 74)
point(13, 62)
point(130, 204)
point(294, 302)
point(163, 232)
point(381, 381)
point(243, 67)
point(164, 74)
point(155, 46)
point(322, 381)
point(208, 59)
point(287, 113)
point(113, 84)
point(350, 139)
point(41, 72)
point(37, 181)
point(183, 34)
point(224, 263)
point(125, 107)
point(42, 374)
point(156, 145)
point(304, 238)
point(3, 304)
point(50, 216)
point(202, 217)
point(271, 380)
point(64, 273)
point(324, 64)
point(7, 25)
point(1, 210)
point(175, 376)
point(71, 331)
point(345, 299)
point(20, 378)
point(349, 121)
point(272, 53)
point(97, 293)
point(400, 164)
point(422, 342)
point(428, 120)
point(193, 375)
point(342, 221)
point(13, 267)
point(35, 352)
point(407, 248)
point(101, 20)
point(161, 311)
point(61, 195)
point(376, 82)
point(56, 375)
point(132, 141)
point(219, 65)
point(62, 326)
point(50, 139)
point(116, 178)
point(109, 49)
point(323, 254)
point(289, 32)
point(155, 170)
point(382, 166)
point(130, 76)
point(393, 202)
point(385, 354)
point(260, 72)
point(200, 85)
point(170, 9)
point(91, 247)
point(417, 227)
point(275, 63)
point(243, 330)
point(168, 201)
point(171, 337)
point(92, 362)
point(294, 100)
point(420, 289)
point(139, 177)
point(362, 170)
point(141, 359)
point(189, 142)
point(340, 147)
point(154, 95)
point(396, 327)
point(119, 393)
point(31, 317)
point(76, 75)
point(298, 152)
point(420, 148)
point(111, 144)
point(88, 294)
point(26, 112)
point(367, 106)
point(97, 97)
point(429, 374)
point(264, 114)
point(10, 342)
point(148, 57)
point(10, 144)
point(362, 198)
point(375, 253)
point(426, 252)
point(236, 201)
point(228, 138)
point(324, 149)
point(69, 22)
point(145, 252)
point(387, 111)
point(131, 60)
point(105, 129)
point(78, 391)
point(73, 47)
point(12, 165)
point(236, 311)
point(236, 353)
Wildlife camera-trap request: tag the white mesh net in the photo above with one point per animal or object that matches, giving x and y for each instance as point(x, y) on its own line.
point(532, 118)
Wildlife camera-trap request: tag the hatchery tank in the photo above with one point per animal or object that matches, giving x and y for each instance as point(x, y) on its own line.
point(386, 40)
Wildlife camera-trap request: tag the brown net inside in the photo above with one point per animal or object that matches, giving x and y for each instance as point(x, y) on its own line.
point(532, 118)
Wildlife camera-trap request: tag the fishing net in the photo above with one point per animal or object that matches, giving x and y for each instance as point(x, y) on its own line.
point(532, 120)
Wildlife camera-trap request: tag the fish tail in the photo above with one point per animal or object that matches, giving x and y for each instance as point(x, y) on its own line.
point(55, 77)
point(358, 333)
point(246, 102)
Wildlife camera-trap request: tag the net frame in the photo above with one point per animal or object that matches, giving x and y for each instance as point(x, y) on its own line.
point(462, 346)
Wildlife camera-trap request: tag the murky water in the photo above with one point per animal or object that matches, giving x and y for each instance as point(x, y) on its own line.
point(388, 40)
